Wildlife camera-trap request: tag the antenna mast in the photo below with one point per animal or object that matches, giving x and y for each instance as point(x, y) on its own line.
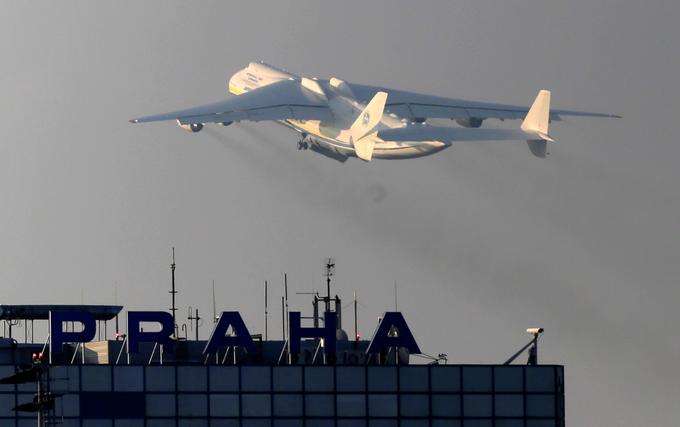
point(173, 292)
point(329, 272)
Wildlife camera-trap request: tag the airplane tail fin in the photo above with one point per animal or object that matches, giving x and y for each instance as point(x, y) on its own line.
point(536, 124)
point(364, 124)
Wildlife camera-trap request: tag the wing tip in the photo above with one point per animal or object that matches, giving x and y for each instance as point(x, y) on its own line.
point(133, 120)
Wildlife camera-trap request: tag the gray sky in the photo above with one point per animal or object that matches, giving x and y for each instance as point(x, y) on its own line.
point(483, 239)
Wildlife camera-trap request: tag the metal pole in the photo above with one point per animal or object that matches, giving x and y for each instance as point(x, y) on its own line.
point(285, 287)
point(173, 292)
point(356, 332)
point(197, 318)
point(283, 320)
point(265, 310)
point(328, 292)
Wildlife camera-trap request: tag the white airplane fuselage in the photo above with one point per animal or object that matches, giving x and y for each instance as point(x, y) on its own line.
point(333, 137)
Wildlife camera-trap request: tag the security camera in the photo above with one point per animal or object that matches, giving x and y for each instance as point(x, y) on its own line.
point(535, 331)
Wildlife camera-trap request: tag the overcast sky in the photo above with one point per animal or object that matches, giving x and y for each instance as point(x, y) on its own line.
point(483, 240)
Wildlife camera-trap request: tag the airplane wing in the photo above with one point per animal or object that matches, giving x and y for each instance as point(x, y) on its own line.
point(287, 99)
point(416, 106)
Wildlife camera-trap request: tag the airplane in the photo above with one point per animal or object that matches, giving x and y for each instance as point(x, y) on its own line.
point(341, 120)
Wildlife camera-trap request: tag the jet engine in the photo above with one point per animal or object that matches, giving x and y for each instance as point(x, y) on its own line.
point(226, 123)
point(191, 127)
point(472, 122)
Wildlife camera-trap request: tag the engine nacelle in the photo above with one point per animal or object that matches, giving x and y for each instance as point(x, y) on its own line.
point(472, 122)
point(226, 123)
point(191, 127)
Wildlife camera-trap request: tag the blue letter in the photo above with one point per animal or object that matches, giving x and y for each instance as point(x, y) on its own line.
point(327, 332)
point(218, 338)
point(135, 336)
point(382, 339)
point(58, 337)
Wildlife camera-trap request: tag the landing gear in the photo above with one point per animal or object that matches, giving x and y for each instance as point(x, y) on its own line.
point(302, 143)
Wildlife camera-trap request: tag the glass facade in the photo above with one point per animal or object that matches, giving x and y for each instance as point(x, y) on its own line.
point(265, 396)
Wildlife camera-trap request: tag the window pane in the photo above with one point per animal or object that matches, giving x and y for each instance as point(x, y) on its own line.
point(477, 423)
point(509, 378)
point(446, 405)
point(256, 405)
point(509, 405)
point(183, 422)
point(382, 405)
point(6, 371)
point(71, 405)
point(257, 423)
point(540, 423)
point(160, 405)
point(318, 378)
point(160, 378)
point(288, 405)
point(97, 423)
point(192, 378)
point(160, 423)
point(96, 378)
point(288, 423)
point(7, 402)
point(413, 378)
point(541, 405)
point(222, 423)
point(477, 378)
point(255, 378)
point(382, 423)
point(223, 378)
point(320, 405)
point(518, 422)
point(288, 378)
point(540, 378)
point(194, 405)
point(414, 405)
point(351, 423)
point(351, 405)
point(129, 423)
point(351, 378)
point(445, 378)
point(414, 423)
point(224, 405)
point(382, 378)
point(128, 378)
point(320, 423)
point(446, 423)
point(477, 405)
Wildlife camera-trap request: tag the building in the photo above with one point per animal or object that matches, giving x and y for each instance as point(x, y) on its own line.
point(102, 384)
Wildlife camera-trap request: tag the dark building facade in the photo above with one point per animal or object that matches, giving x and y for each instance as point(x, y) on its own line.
point(105, 395)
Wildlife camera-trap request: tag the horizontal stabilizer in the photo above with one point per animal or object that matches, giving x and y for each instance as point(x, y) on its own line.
point(363, 148)
point(450, 134)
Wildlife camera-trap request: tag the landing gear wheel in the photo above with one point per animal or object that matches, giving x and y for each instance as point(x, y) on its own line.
point(302, 143)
